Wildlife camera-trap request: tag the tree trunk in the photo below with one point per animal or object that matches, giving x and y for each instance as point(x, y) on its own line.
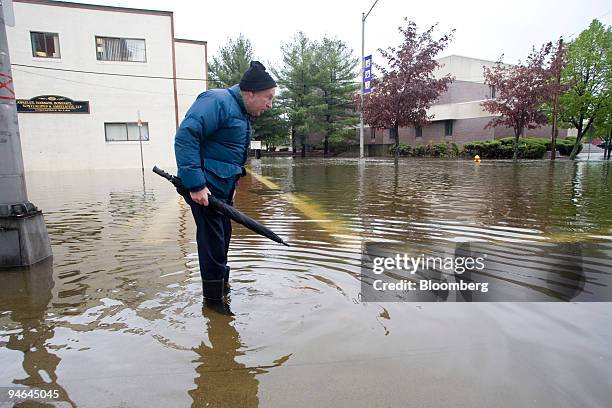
point(326, 146)
point(303, 149)
point(574, 152)
point(395, 132)
point(578, 140)
point(516, 141)
point(327, 131)
point(555, 127)
point(608, 146)
point(293, 145)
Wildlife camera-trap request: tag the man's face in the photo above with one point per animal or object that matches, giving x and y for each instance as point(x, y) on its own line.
point(258, 102)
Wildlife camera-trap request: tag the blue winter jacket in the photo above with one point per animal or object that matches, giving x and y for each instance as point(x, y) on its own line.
point(211, 145)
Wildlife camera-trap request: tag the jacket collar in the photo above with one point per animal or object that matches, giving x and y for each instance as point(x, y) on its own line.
point(235, 91)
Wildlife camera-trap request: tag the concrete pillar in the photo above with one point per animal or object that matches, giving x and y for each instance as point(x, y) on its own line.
point(23, 234)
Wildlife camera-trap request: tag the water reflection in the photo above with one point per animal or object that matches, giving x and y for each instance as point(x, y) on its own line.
point(221, 381)
point(125, 281)
point(24, 298)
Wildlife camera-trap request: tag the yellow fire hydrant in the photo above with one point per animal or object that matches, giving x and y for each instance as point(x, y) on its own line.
point(477, 159)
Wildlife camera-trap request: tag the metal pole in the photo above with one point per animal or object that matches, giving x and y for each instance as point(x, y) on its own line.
point(361, 130)
point(23, 234)
point(140, 141)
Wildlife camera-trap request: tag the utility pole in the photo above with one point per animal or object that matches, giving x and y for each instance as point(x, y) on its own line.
point(144, 187)
point(140, 142)
point(23, 234)
point(361, 130)
point(555, 118)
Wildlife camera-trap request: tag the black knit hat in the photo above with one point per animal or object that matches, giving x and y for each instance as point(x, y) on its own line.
point(256, 78)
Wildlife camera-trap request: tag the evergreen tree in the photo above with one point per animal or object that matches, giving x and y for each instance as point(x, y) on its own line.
point(297, 80)
point(272, 127)
point(233, 59)
point(334, 75)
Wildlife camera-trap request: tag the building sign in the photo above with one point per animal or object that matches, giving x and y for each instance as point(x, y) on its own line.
point(51, 104)
point(255, 144)
point(367, 74)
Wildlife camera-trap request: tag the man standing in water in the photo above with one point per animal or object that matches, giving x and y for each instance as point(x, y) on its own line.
point(211, 148)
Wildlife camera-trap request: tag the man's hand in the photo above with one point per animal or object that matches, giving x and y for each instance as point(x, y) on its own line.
point(201, 197)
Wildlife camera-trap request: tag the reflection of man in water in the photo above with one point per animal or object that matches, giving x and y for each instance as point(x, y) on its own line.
point(26, 295)
point(221, 381)
point(211, 147)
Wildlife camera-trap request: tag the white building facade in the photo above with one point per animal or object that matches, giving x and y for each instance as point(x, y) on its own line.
point(117, 65)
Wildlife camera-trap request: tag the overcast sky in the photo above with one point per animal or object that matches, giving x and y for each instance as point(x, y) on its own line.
point(484, 29)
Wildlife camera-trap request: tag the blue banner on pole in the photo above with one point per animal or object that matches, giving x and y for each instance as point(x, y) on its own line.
point(367, 74)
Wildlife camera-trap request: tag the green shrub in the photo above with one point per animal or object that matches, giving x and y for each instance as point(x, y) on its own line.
point(404, 150)
point(419, 151)
point(566, 145)
point(529, 148)
point(531, 151)
point(438, 150)
point(538, 140)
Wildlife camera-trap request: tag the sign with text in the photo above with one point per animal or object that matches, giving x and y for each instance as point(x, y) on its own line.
point(367, 74)
point(485, 272)
point(255, 144)
point(51, 104)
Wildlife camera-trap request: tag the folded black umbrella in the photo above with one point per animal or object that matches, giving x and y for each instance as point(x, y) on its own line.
point(223, 208)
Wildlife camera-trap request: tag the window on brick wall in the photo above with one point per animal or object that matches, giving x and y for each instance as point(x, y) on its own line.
point(126, 131)
point(372, 133)
point(45, 45)
point(491, 91)
point(448, 128)
point(393, 133)
point(120, 49)
point(418, 131)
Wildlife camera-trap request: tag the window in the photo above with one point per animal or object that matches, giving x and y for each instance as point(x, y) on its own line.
point(491, 91)
point(45, 45)
point(418, 131)
point(393, 133)
point(448, 128)
point(120, 49)
point(123, 132)
point(372, 133)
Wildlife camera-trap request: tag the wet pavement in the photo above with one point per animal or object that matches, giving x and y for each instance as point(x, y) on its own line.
point(116, 319)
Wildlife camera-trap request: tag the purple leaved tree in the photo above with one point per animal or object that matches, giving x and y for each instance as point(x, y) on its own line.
point(521, 91)
point(407, 87)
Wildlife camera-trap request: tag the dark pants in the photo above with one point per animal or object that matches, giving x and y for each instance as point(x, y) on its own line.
point(213, 235)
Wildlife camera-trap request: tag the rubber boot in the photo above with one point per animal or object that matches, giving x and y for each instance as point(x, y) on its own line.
point(216, 306)
point(226, 285)
point(213, 289)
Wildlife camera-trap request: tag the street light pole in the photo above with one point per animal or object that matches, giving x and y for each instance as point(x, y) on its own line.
point(23, 234)
point(361, 130)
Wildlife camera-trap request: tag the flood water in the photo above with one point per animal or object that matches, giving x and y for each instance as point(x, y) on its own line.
point(116, 319)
